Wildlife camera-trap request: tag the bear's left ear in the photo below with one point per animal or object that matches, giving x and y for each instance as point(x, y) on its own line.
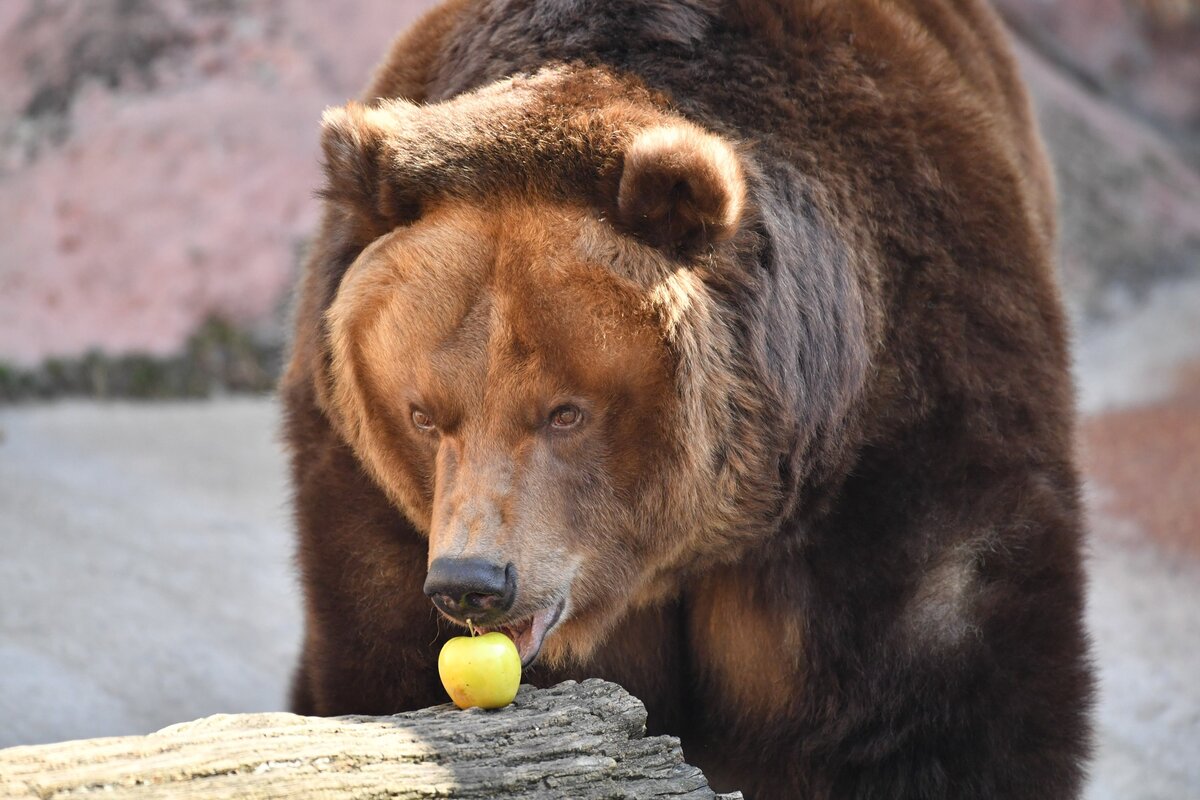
point(681, 189)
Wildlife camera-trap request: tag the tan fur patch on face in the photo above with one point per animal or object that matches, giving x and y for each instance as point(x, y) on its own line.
point(700, 497)
point(485, 321)
point(407, 296)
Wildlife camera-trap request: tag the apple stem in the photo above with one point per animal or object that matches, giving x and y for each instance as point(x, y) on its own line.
point(471, 627)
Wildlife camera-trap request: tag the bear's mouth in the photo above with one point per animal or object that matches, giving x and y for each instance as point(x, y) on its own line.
point(529, 633)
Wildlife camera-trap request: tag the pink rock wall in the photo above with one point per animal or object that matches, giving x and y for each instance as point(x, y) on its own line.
point(158, 160)
point(1129, 202)
point(1143, 54)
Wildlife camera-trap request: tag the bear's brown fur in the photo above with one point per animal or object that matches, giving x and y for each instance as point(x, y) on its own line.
point(728, 333)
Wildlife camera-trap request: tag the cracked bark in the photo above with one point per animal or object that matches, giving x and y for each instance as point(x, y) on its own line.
point(578, 740)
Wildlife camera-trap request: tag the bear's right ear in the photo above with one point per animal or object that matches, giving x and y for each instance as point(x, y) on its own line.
point(358, 160)
point(682, 189)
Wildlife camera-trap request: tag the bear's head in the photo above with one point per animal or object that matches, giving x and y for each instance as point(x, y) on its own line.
point(529, 355)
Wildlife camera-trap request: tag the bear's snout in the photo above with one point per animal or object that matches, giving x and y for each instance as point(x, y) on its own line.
point(471, 588)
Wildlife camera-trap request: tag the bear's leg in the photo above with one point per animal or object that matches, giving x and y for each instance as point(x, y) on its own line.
point(371, 635)
point(300, 698)
point(949, 611)
point(925, 643)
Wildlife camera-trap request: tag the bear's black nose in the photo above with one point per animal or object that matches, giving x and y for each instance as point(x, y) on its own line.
point(471, 588)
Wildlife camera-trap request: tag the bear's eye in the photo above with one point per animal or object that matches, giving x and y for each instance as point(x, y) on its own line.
point(423, 421)
point(565, 417)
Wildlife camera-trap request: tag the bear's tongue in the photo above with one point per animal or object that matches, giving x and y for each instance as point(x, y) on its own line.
point(528, 634)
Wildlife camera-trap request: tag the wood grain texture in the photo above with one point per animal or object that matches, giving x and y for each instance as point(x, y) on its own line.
point(579, 740)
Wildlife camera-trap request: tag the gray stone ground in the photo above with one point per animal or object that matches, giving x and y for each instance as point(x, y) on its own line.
point(146, 573)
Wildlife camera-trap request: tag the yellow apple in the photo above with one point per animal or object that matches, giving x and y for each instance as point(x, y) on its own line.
point(482, 671)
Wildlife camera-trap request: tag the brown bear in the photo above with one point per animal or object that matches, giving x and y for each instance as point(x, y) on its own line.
point(712, 347)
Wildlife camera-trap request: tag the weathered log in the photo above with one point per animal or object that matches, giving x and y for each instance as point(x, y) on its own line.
point(575, 740)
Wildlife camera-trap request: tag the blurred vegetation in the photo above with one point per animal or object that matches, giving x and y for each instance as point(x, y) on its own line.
point(219, 358)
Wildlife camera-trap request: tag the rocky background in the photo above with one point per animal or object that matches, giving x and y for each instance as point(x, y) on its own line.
point(158, 160)
point(157, 166)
